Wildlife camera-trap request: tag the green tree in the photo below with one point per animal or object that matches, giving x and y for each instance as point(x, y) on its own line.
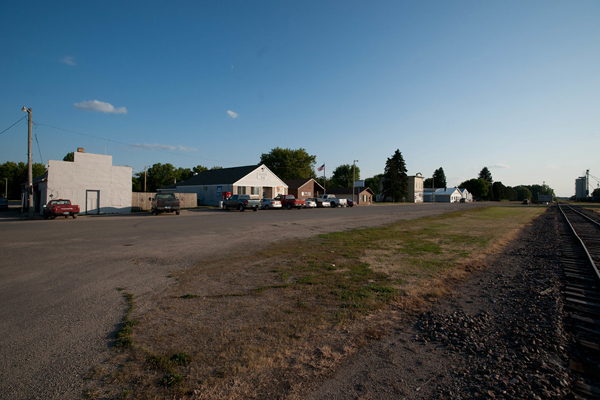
point(290, 164)
point(523, 193)
point(69, 157)
point(374, 183)
point(159, 175)
point(439, 178)
point(596, 192)
point(428, 183)
point(511, 193)
point(498, 191)
point(477, 187)
point(395, 179)
point(16, 175)
point(343, 176)
point(486, 175)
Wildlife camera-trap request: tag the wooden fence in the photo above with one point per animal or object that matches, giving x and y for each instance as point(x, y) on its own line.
point(139, 200)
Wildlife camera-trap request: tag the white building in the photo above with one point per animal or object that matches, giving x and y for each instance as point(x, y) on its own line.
point(90, 181)
point(442, 195)
point(210, 186)
point(466, 195)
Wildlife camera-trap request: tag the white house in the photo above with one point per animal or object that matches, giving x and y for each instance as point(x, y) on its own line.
point(466, 195)
point(210, 186)
point(442, 195)
point(90, 181)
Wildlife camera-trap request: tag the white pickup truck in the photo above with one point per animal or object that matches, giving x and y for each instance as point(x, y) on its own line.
point(334, 201)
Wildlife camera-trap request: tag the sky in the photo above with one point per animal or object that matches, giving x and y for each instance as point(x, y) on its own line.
point(509, 85)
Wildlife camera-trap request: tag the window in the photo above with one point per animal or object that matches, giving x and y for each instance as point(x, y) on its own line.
point(241, 190)
point(255, 190)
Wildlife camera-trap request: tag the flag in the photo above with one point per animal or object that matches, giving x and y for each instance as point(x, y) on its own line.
point(321, 168)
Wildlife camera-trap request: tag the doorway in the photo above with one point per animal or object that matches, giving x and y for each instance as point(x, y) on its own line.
point(92, 202)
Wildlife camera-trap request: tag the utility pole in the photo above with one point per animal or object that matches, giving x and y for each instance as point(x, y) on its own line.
point(6, 188)
point(29, 166)
point(354, 179)
point(144, 179)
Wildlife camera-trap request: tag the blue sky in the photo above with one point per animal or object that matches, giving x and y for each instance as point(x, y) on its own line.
point(511, 85)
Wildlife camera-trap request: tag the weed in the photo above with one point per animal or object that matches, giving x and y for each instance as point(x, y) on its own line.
point(188, 296)
point(181, 358)
point(171, 379)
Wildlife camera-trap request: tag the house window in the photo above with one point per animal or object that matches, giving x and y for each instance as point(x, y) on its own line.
point(255, 190)
point(241, 190)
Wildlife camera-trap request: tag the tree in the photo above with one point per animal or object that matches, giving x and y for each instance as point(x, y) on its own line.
point(16, 174)
point(477, 187)
point(486, 175)
point(69, 157)
point(439, 178)
point(596, 192)
point(290, 164)
point(343, 176)
point(498, 191)
point(523, 193)
point(374, 183)
point(395, 179)
point(428, 183)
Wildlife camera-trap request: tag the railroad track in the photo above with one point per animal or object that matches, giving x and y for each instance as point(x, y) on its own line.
point(581, 260)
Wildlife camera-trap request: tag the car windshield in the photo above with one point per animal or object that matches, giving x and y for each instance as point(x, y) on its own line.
point(165, 196)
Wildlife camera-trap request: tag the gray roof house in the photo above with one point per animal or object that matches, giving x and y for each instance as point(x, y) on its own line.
point(212, 186)
point(442, 195)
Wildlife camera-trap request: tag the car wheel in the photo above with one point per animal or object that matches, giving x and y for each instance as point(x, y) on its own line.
point(241, 207)
point(333, 204)
point(74, 216)
point(177, 212)
point(267, 207)
point(289, 206)
point(45, 216)
point(255, 209)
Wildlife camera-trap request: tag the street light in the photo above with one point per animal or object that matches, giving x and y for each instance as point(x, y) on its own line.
point(29, 167)
point(354, 179)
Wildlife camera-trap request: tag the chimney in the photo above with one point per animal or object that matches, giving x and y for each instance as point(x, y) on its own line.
point(80, 150)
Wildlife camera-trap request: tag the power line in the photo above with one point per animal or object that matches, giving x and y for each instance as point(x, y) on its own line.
point(13, 125)
point(132, 145)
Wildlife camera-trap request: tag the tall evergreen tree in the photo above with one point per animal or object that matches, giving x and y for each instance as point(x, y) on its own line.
point(439, 178)
point(395, 179)
point(485, 174)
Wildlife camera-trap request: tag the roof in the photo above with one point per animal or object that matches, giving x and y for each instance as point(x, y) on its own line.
point(348, 190)
point(216, 176)
point(441, 192)
point(298, 183)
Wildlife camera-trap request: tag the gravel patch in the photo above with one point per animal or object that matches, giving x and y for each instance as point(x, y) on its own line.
point(499, 335)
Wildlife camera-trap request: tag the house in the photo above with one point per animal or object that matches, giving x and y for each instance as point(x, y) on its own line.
point(415, 188)
point(304, 188)
point(213, 185)
point(90, 181)
point(361, 195)
point(466, 195)
point(442, 195)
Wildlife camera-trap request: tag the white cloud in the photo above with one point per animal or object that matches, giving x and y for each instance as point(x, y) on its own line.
point(499, 166)
point(69, 60)
point(100, 106)
point(232, 114)
point(164, 147)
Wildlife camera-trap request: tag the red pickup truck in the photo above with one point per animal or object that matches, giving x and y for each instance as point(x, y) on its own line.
point(289, 201)
point(58, 207)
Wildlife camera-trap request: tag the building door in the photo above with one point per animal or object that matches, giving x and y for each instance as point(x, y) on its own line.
point(92, 202)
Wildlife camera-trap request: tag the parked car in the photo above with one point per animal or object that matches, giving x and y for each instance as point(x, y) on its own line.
point(321, 203)
point(310, 203)
point(266, 204)
point(241, 202)
point(63, 207)
point(334, 201)
point(350, 203)
point(3, 203)
point(289, 201)
point(165, 202)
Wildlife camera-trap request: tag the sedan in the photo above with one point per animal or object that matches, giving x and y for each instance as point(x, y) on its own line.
point(310, 203)
point(265, 204)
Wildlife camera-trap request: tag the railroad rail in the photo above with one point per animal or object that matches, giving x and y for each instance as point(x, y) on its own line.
point(580, 259)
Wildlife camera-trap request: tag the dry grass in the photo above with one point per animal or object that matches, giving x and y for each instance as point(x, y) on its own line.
point(263, 326)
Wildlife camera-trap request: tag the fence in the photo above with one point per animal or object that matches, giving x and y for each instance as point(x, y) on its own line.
point(139, 200)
